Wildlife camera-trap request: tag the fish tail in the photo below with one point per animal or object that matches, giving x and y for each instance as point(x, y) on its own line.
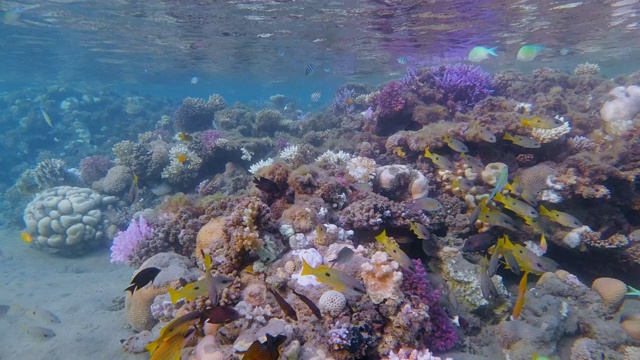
point(152, 346)
point(492, 51)
point(508, 136)
point(427, 153)
point(175, 294)
point(544, 211)
point(525, 122)
point(306, 268)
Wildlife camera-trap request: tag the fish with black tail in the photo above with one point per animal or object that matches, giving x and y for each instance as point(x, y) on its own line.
point(142, 278)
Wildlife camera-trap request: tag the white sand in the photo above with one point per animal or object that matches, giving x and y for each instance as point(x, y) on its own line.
point(80, 291)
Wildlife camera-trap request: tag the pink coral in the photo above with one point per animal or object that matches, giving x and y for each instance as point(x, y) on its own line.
point(126, 241)
point(94, 167)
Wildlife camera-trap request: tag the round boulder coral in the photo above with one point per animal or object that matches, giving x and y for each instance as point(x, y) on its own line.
point(68, 219)
point(332, 302)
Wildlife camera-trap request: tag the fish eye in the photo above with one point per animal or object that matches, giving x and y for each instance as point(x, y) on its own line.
point(196, 288)
point(327, 274)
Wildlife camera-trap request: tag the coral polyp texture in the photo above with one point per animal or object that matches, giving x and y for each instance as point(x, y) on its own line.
point(427, 217)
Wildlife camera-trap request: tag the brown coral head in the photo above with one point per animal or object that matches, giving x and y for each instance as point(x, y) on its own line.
point(630, 322)
point(612, 292)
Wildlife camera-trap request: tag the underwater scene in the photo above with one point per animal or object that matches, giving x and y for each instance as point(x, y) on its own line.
point(311, 180)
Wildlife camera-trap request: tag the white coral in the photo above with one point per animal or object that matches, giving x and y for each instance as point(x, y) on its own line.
point(549, 135)
point(362, 168)
point(289, 153)
point(260, 164)
point(331, 157)
point(191, 164)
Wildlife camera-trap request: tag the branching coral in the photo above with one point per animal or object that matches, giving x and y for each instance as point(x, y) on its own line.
point(197, 114)
point(244, 224)
point(463, 84)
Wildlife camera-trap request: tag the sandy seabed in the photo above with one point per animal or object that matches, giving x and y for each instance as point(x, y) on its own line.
point(85, 293)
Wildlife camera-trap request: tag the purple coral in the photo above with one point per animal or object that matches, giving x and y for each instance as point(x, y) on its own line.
point(389, 100)
point(209, 138)
point(126, 241)
point(95, 167)
point(463, 84)
point(442, 336)
point(344, 101)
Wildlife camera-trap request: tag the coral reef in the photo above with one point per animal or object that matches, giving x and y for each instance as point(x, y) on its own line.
point(197, 114)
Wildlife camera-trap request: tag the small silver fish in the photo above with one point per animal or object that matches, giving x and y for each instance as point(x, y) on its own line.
point(425, 203)
point(42, 315)
point(315, 96)
point(39, 332)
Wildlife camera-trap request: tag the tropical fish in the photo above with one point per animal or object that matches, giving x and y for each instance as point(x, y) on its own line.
point(461, 183)
point(425, 203)
point(182, 158)
point(479, 242)
point(392, 248)
point(438, 160)
point(133, 189)
point(184, 137)
point(632, 291)
point(209, 285)
point(194, 80)
point(401, 60)
point(268, 350)
point(40, 315)
point(527, 260)
point(543, 244)
point(522, 291)
point(487, 286)
point(501, 182)
point(220, 314)
point(472, 162)
point(522, 141)
point(344, 255)
point(39, 332)
point(560, 217)
point(309, 69)
point(456, 145)
point(529, 52)
point(171, 348)
point(522, 192)
point(315, 96)
point(399, 152)
point(480, 53)
point(287, 309)
point(519, 207)
point(46, 117)
point(178, 326)
point(266, 185)
point(336, 279)
point(310, 304)
point(541, 122)
point(420, 230)
point(535, 356)
point(496, 218)
point(26, 237)
point(487, 136)
point(635, 235)
point(142, 278)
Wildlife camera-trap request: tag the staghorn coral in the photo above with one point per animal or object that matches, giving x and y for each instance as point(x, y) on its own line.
point(586, 68)
point(462, 84)
point(389, 100)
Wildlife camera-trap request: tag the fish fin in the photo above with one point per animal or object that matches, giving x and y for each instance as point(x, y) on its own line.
point(131, 288)
point(175, 294)
point(382, 237)
point(306, 268)
point(152, 346)
point(544, 211)
point(633, 292)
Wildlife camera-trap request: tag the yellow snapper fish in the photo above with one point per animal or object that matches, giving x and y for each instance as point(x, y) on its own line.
point(420, 231)
point(535, 223)
point(495, 218)
point(560, 217)
point(519, 207)
point(399, 152)
point(440, 161)
point(522, 192)
point(392, 248)
point(462, 183)
point(527, 260)
point(177, 326)
point(522, 141)
point(209, 285)
point(472, 162)
point(455, 144)
point(171, 348)
point(487, 286)
point(487, 136)
point(541, 122)
point(336, 279)
point(529, 52)
point(480, 53)
point(522, 291)
point(46, 117)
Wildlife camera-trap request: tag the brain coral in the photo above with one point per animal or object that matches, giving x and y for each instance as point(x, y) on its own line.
point(332, 302)
point(68, 219)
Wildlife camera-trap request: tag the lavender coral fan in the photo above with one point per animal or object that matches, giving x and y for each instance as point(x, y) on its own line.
point(443, 336)
point(126, 241)
point(463, 84)
point(344, 101)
